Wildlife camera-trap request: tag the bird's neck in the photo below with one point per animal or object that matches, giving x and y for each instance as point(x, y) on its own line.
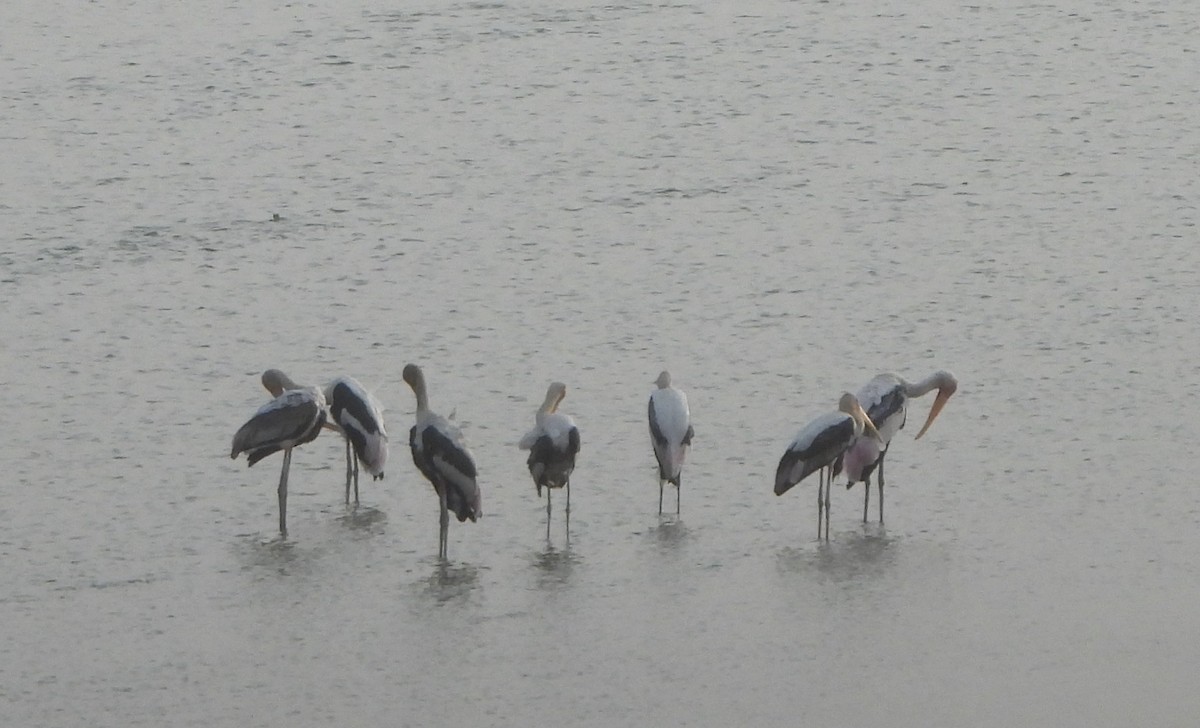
point(925, 386)
point(422, 400)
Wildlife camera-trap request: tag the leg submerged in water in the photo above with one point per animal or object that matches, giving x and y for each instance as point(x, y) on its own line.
point(283, 478)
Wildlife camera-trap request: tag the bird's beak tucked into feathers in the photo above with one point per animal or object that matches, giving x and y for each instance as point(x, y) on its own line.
point(869, 426)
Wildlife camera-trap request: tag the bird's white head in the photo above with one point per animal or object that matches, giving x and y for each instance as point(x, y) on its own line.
point(947, 385)
point(415, 378)
point(276, 382)
point(664, 379)
point(554, 396)
point(849, 404)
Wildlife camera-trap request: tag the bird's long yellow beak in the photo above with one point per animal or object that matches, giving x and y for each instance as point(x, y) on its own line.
point(868, 425)
point(938, 403)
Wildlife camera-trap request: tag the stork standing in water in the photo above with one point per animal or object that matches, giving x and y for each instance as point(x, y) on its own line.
point(553, 444)
point(885, 399)
point(360, 420)
point(441, 454)
point(293, 418)
point(670, 434)
point(818, 446)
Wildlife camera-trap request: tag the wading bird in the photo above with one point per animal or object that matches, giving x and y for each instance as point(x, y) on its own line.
point(553, 444)
point(293, 418)
point(441, 455)
point(885, 399)
point(817, 446)
point(360, 420)
point(670, 434)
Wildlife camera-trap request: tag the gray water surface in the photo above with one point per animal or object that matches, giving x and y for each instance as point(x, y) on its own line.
point(775, 201)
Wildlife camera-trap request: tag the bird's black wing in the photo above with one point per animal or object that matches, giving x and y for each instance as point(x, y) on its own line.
point(453, 469)
point(655, 431)
point(347, 401)
point(888, 405)
point(824, 449)
point(573, 442)
point(272, 429)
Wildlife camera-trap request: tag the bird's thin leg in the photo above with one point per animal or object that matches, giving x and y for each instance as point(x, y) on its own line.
point(548, 491)
point(443, 523)
point(287, 461)
point(866, 496)
point(568, 486)
point(678, 487)
point(347, 472)
point(881, 486)
point(820, 500)
point(660, 489)
point(823, 486)
point(828, 487)
point(355, 478)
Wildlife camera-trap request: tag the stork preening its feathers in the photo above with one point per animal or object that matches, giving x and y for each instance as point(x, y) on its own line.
point(441, 454)
point(885, 399)
point(818, 446)
point(360, 420)
point(553, 444)
point(293, 418)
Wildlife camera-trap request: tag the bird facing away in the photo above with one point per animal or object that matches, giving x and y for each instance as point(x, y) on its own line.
point(885, 399)
point(818, 446)
point(670, 434)
point(360, 420)
point(553, 444)
point(441, 454)
point(293, 418)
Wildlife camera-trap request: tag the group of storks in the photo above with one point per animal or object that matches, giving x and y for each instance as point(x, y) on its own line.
point(853, 439)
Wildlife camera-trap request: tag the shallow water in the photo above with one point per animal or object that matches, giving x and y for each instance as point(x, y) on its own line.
point(775, 202)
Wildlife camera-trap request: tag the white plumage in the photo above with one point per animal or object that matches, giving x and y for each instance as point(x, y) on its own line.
point(670, 433)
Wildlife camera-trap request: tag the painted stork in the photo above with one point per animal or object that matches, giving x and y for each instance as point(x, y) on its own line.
point(885, 398)
point(670, 434)
point(440, 453)
point(293, 418)
point(818, 446)
point(553, 444)
point(360, 420)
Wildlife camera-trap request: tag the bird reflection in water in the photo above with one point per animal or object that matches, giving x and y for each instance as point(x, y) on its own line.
point(277, 555)
point(555, 566)
point(669, 533)
point(363, 519)
point(451, 583)
point(865, 553)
